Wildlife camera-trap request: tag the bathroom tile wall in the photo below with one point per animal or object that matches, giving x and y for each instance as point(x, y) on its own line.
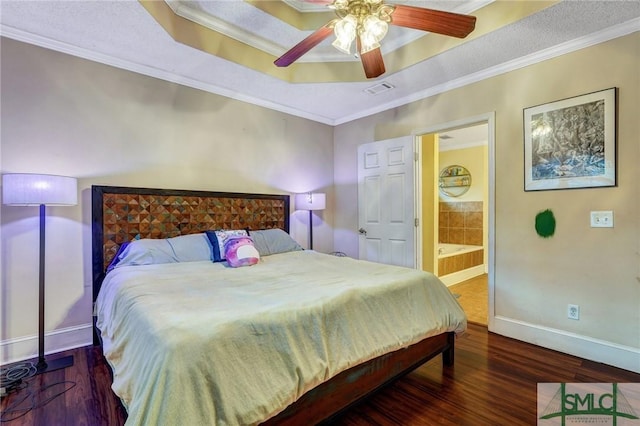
point(461, 222)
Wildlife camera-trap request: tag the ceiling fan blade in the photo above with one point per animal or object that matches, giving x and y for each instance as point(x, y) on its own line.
point(372, 62)
point(435, 21)
point(304, 46)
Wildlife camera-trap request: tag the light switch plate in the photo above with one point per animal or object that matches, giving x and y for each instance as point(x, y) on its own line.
point(602, 219)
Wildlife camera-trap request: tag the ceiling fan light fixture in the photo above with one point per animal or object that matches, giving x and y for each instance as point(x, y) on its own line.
point(345, 31)
point(339, 4)
point(368, 42)
point(343, 45)
point(375, 28)
point(363, 22)
point(369, 21)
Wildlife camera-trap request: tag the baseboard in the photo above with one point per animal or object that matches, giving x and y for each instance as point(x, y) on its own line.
point(22, 348)
point(621, 356)
point(465, 274)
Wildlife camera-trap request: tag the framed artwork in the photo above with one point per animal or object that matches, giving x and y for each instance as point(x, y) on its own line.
point(571, 143)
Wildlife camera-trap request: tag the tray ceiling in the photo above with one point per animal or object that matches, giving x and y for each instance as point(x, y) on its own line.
point(228, 47)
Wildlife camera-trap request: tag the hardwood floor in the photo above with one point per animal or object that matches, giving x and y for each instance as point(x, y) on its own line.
point(493, 382)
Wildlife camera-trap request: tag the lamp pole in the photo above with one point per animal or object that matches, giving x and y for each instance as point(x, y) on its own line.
point(42, 364)
point(310, 229)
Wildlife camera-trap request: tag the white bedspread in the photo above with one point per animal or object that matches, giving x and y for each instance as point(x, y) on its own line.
point(201, 343)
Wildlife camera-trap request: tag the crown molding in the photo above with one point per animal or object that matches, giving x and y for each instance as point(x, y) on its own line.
point(306, 6)
point(261, 43)
point(223, 27)
point(58, 46)
point(214, 23)
point(540, 56)
point(561, 49)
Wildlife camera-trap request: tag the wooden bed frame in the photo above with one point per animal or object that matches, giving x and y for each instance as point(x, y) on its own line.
point(122, 214)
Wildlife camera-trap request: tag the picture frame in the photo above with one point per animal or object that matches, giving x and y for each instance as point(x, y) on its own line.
point(571, 143)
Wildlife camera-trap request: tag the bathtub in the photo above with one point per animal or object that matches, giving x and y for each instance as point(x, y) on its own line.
point(458, 262)
point(446, 250)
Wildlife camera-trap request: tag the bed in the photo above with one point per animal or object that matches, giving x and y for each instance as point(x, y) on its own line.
point(292, 339)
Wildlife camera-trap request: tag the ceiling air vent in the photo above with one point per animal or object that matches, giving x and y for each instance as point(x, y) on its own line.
point(379, 88)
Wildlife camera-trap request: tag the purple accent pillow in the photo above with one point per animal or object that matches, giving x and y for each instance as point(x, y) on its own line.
point(240, 251)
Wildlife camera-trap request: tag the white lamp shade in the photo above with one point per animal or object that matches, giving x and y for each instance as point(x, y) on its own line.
point(311, 201)
point(26, 189)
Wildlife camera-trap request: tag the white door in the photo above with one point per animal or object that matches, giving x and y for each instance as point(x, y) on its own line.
point(386, 213)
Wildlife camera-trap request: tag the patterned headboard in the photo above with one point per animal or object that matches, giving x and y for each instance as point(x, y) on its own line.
point(122, 214)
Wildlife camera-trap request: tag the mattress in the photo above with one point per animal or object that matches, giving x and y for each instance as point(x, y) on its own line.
point(203, 343)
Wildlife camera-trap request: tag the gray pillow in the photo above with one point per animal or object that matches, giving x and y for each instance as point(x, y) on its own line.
point(191, 248)
point(148, 251)
point(273, 241)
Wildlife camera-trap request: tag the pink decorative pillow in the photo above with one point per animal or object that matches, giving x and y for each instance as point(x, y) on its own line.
point(240, 251)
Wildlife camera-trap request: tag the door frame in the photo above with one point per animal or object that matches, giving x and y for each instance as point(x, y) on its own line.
point(489, 119)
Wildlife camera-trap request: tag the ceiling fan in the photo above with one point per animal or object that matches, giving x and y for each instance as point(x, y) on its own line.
point(366, 22)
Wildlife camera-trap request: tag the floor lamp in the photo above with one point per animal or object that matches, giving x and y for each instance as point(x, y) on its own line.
point(311, 201)
point(24, 189)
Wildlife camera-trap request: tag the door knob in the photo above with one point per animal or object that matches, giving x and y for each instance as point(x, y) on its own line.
point(362, 231)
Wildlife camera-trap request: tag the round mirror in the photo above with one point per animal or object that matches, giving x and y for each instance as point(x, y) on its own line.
point(454, 181)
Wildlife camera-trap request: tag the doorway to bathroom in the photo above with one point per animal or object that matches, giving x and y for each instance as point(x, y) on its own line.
point(455, 182)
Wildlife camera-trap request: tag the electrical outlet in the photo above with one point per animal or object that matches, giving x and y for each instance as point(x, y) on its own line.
point(573, 312)
point(602, 219)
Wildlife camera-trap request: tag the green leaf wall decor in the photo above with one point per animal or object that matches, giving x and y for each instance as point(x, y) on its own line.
point(545, 223)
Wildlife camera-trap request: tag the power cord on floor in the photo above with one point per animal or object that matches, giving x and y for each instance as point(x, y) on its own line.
point(14, 379)
point(11, 377)
point(15, 410)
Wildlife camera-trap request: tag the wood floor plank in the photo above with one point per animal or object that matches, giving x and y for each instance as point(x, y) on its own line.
point(493, 382)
